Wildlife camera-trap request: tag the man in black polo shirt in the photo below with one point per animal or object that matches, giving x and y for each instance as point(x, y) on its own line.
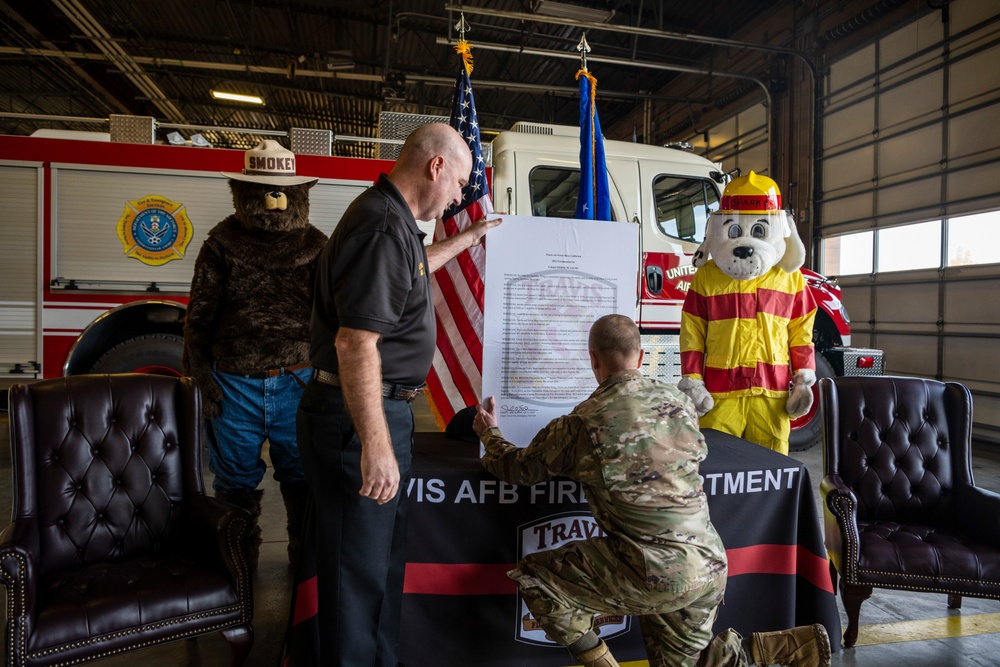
point(373, 339)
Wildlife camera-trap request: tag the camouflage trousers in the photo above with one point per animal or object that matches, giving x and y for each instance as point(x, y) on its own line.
point(564, 588)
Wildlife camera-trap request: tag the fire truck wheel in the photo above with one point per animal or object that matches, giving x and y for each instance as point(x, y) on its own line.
point(807, 430)
point(157, 354)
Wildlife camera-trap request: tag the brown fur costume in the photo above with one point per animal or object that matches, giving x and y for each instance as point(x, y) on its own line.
point(251, 294)
point(251, 299)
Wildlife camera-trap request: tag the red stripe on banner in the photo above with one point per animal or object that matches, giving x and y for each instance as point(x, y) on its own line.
point(457, 374)
point(306, 601)
point(788, 559)
point(491, 578)
point(459, 579)
point(469, 336)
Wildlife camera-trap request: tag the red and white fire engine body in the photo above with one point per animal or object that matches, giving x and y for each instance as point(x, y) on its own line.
point(100, 240)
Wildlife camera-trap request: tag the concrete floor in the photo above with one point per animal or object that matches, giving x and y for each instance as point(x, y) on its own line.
point(906, 625)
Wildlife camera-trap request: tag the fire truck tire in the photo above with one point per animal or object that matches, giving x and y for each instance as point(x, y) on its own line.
point(159, 354)
point(808, 430)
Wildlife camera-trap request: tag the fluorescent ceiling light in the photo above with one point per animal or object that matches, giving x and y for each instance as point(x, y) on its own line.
point(236, 97)
point(565, 10)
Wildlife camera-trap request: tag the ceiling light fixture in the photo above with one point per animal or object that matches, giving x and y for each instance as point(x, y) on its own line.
point(236, 97)
point(565, 10)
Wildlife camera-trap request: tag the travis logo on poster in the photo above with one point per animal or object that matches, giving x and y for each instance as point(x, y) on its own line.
point(549, 533)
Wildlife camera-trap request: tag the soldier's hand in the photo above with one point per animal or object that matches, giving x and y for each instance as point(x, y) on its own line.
point(486, 416)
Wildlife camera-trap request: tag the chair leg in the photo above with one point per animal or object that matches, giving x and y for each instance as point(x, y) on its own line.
point(954, 601)
point(853, 597)
point(240, 641)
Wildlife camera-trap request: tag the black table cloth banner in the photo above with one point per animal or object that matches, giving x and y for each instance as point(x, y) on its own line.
point(467, 529)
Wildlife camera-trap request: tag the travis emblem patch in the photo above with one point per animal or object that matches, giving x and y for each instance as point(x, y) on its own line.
point(154, 230)
point(549, 533)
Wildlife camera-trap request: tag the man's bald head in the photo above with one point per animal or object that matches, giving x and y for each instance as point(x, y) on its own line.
point(429, 141)
point(433, 167)
point(615, 346)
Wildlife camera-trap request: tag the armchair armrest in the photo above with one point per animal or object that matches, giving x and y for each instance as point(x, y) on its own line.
point(19, 572)
point(976, 513)
point(840, 521)
point(215, 522)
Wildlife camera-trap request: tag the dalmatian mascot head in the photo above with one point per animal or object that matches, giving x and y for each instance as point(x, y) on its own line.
point(750, 233)
point(751, 246)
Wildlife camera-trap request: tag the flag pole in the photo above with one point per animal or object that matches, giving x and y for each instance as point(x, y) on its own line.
point(584, 48)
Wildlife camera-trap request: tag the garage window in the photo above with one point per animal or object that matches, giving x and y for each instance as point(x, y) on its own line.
point(849, 254)
point(974, 239)
point(909, 247)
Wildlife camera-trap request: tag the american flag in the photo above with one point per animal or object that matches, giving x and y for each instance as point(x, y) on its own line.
point(455, 379)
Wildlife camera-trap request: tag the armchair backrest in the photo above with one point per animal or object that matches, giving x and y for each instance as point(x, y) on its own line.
point(901, 444)
point(103, 462)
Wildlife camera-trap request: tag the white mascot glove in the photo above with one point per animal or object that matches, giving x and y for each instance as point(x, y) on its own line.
point(695, 390)
point(800, 396)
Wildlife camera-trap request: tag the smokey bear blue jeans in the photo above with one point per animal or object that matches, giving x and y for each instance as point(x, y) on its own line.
point(255, 410)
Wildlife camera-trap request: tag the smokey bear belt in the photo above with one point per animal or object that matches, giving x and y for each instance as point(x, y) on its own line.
point(398, 392)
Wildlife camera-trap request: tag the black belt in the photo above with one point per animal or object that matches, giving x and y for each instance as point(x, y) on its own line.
point(398, 392)
point(269, 373)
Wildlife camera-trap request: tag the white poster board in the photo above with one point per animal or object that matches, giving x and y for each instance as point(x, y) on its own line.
point(547, 281)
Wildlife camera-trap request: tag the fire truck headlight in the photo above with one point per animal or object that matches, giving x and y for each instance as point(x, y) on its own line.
point(843, 313)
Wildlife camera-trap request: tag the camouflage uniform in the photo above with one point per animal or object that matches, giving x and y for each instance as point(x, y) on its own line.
point(635, 446)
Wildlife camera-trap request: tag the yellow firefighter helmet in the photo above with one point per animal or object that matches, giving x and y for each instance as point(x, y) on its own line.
point(752, 193)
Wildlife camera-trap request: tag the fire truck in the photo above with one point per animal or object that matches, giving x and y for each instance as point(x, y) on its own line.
point(100, 239)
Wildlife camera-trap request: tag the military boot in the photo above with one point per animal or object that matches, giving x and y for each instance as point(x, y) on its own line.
point(295, 495)
point(250, 501)
point(804, 646)
point(599, 656)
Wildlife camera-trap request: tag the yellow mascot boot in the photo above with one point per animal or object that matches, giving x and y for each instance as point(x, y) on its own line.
point(804, 646)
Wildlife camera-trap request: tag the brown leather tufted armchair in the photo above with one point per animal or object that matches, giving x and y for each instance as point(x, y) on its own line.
point(113, 544)
point(900, 505)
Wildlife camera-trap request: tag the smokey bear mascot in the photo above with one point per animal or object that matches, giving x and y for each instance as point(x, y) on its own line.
point(747, 357)
point(246, 337)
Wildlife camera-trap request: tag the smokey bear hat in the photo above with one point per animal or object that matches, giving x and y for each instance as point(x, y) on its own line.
point(269, 163)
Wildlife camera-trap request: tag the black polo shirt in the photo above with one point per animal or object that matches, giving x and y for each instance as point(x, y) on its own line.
point(373, 275)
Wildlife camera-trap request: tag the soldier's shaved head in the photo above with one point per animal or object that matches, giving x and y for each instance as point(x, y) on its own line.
point(615, 340)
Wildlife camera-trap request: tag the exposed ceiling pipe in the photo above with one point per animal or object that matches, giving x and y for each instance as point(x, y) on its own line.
point(568, 91)
point(77, 71)
point(622, 62)
point(858, 21)
point(191, 64)
point(630, 30)
point(90, 27)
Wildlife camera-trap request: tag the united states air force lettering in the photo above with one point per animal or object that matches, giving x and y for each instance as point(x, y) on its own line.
point(562, 491)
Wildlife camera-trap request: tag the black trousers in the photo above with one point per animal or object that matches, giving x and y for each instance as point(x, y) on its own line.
point(360, 545)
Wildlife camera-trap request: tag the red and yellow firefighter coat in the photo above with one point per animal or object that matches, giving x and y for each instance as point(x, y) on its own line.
point(746, 339)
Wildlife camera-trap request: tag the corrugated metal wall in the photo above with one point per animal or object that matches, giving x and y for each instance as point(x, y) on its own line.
point(911, 147)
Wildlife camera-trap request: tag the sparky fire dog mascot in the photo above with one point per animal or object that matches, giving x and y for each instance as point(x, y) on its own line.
point(246, 336)
point(746, 329)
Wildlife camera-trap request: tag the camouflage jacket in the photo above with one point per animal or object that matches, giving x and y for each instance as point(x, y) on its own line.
point(635, 446)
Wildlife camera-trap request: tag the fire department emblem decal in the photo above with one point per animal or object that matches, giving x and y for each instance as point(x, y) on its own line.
point(549, 533)
point(154, 230)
